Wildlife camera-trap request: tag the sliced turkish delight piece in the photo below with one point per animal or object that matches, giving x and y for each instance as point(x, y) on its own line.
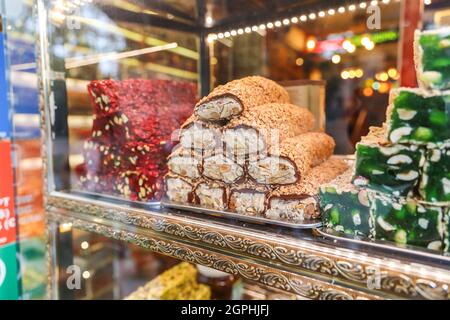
point(99, 157)
point(345, 207)
point(231, 99)
point(178, 189)
point(419, 117)
point(264, 126)
point(185, 163)
point(249, 199)
point(110, 96)
point(299, 201)
point(221, 168)
point(142, 110)
point(293, 158)
point(406, 221)
point(95, 182)
point(200, 136)
point(141, 184)
point(435, 180)
point(432, 58)
point(386, 167)
point(212, 195)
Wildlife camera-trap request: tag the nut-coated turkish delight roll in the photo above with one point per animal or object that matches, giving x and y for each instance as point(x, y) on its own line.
point(386, 167)
point(299, 201)
point(178, 189)
point(346, 208)
point(432, 58)
point(269, 124)
point(419, 117)
point(212, 195)
point(185, 163)
point(248, 199)
point(199, 135)
point(407, 221)
point(222, 168)
point(292, 159)
point(231, 99)
point(435, 181)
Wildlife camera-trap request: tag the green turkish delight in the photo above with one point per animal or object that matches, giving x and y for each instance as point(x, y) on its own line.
point(432, 58)
point(344, 207)
point(386, 167)
point(419, 117)
point(435, 181)
point(407, 221)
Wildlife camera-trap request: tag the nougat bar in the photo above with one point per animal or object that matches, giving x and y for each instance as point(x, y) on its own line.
point(407, 221)
point(299, 201)
point(259, 128)
point(419, 117)
point(432, 58)
point(231, 99)
point(179, 189)
point(249, 199)
point(386, 167)
point(293, 158)
point(345, 207)
point(213, 195)
point(435, 180)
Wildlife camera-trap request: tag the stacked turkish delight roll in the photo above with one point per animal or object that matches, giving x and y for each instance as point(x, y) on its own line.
point(132, 135)
point(399, 189)
point(247, 150)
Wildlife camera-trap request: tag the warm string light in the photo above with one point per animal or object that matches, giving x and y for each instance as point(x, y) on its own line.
point(302, 18)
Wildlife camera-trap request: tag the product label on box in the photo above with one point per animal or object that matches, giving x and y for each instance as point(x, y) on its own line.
point(5, 115)
point(8, 272)
point(7, 218)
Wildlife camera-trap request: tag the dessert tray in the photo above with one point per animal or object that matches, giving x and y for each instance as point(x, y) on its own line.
point(384, 246)
point(305, 224)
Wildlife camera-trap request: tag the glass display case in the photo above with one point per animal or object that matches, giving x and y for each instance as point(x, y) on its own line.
point(123, 120)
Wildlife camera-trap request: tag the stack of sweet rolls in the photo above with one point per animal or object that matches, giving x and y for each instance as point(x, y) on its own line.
point(247, 149)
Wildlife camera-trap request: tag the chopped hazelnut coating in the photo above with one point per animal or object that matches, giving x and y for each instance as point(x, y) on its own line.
point(310, 183)
point(299, 201)
point(231, 99)
point(292, 159)
point(266, 125)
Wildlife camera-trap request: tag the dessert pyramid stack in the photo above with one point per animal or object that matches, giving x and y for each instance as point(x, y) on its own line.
point(246, 149)
point(131, 135)
point(399, 189)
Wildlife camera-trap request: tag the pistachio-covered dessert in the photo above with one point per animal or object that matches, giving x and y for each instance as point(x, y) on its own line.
point(435, 182)
point(407, 221)
point(419, 117)
point(345, 207)
point(177, 283)
point(432, 58)
point(391, 168)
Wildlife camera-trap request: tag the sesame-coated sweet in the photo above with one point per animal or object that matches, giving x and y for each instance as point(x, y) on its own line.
point(299, 201)
point(231, 99)
point(266, 125)
point(292, 159)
